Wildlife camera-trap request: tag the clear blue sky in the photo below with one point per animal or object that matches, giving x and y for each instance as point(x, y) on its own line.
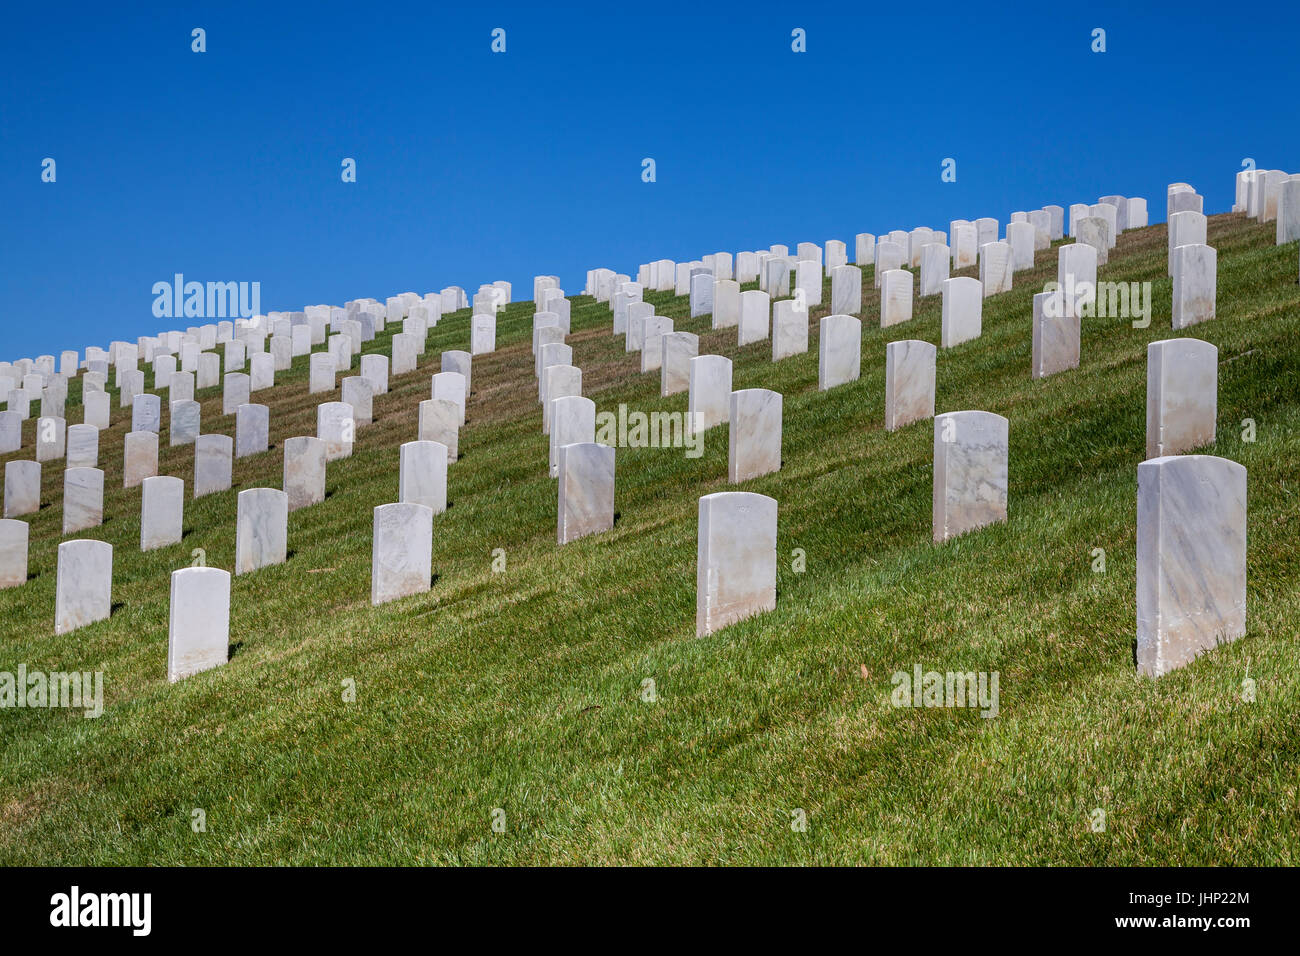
point(474, 166)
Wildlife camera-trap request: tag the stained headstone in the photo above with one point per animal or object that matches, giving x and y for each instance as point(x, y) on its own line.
point(675, 363)
point(573, 420)
point(970, 472)
point(909, 382)
point(83, 499)
point(1182, 395)
point(996, 270)
point(262, 529)
point(83, 590)
point(935, 262)
point(22, 488)
point(401, 552)
point(755, 441)
point(252, 430)
point(422, 474)
point(14, 536)
point(213, 456)
point(586, 490)
point(457, 361)
point(709, 401)
point(439, 421)
point(1191, 559)
point(450, 385)
point(51, 438)
point(1055, 336)
point(304, 471)
point(895, 297)
point(139, 457)
point(335, 427)
point(1195, 296)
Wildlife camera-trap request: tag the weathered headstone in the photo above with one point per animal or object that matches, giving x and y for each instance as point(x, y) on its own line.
point(909, 382)
point(573, 420)
point(357, 393)
point(935, 262)
point(996, 272)
point(1191, 559)
point(22, 488)
point(755, 316)
point(450, 385)
point(586, 490)
point(889, 257)
point(83, 590)
point(198, 621)
point(83, 499)
point(401, 561)
point(895, 297)
point(558, 381)
point(846, 290)
point(789, 329)
point(139, 457)
point(440, 421)
point(252, 430)
point(83, 446)
point(457, 361)
point(709, 399)
point(675, 363)
point(1195, 296)
point(755, 441)
point(262, 529)
point(422, 474)
point(14, 536)
point(374, 369)
point(11, 432)
point(213, 455)
point(1055, 335)
point(234, 392)
point(304, 471)
point(970, 472)
point(726, 304)
point(185, 421)
point(1182, 395)
point(335, 427)
point(321, 372)
point(735, 559)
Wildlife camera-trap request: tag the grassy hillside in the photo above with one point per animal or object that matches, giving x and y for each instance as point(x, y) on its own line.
point(522, 690)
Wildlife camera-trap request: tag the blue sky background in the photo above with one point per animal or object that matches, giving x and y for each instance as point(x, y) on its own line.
point(474, 166)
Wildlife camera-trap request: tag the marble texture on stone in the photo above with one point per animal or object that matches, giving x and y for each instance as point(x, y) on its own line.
point(234, 392)
point(839, 351)
point(146, 413)
point(965, 246)
point(439, 420)
point(1195, 295)
point(422, 474)
point(14, 537)
point(304, 471)
point(83, 589)
point(356, 391)
point(1288, 212)
point(450, 385)
point(82, 446)
point(735, 559)
point(970, 472)
point(335, 427)
point(573, 421)
point(455, 360)
point(709, 398)
point(162, 511)
point(754, 447)
point(184, 424)
point(1076, 275)
point(586, 490)
point(1191, 559)
point(962, 311)
point(909, 382)
point(1185, 229)
point(1055, 346)
point(401, 556)
point(252, 430)
point(198, 621)
point(262, 529)
point(1182, 395)
point(846, 290)
point(755, 316)
point(726, 304)
point(139, 458)
point(213, 457)
point(558, 381)
point(675, 362)
point(83, 499)
point(701, 296)
point(935, 267)
point(996, 272)
point(889, 256)
point(789, 329)
point(96, 410)
point(895, 297)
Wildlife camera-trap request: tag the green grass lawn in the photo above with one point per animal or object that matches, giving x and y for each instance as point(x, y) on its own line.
point(523, 690)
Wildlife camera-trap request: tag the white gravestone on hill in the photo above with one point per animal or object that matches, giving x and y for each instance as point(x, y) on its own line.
point(735, 559)
point(1191, 559)
point(909, 382)
point(83, 589)
point(213, 456)
point(586, 490)
point(970, 472)
point(162, 511)
point(198, 621)
point(83, 499)
point(401, 557)
point(262, 529)
point(304, 471)
point(1182, 395)
point(839, 351)
point(754, 447)
point(709, 399)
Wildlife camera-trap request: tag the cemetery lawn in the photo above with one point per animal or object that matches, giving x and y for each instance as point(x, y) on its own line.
point(523, 690)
